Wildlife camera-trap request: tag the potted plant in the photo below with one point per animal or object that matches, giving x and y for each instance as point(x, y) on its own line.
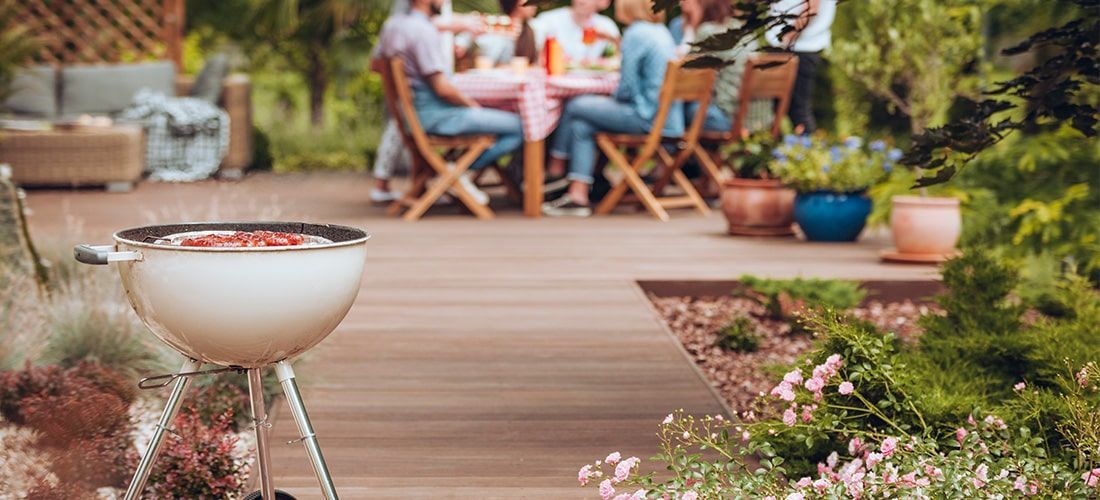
point(832, 182)
point(754, 202)
point(925, 227)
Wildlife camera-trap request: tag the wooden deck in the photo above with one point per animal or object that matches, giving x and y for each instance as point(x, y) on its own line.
point(483, 359)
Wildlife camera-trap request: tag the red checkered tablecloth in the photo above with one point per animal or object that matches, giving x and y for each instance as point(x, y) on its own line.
point(536, 97)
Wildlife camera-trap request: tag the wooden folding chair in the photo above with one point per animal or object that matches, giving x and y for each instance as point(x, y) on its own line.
point(428, 151)
point(682, 85)
point(767, 77)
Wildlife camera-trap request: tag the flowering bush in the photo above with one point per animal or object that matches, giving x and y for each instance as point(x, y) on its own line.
point(811, 164)
point(986, 404)
point(714, 457)
point(202, 465)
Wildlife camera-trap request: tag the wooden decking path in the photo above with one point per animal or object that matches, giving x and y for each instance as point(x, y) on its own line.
point(482, 359)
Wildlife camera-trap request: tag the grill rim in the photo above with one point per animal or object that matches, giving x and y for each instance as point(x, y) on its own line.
point(341, 236)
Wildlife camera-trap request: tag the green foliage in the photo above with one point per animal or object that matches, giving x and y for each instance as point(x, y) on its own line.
point(85, 331)
point(811, 164)
point(750, 157)
point(1036, 196)
point(810, 292)
point(740, 335)
point(916, 54)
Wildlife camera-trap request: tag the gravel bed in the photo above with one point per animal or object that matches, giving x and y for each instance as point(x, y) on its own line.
point(741, 377)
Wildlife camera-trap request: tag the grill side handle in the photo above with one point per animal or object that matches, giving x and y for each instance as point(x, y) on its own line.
point(101, 255)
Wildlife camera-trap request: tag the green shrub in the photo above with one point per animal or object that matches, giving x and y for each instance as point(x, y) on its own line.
point(740, 335)
point(811, 293)
point(88, 331)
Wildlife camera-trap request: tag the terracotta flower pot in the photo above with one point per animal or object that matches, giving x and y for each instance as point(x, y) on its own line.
point(758, 207)
point(925, 227)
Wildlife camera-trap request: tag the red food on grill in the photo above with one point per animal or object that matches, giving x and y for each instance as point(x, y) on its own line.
point(242, 239)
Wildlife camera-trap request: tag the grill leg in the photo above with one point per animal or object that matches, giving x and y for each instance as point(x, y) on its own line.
point(309, 438)
point(141, 475)
point(259, 419)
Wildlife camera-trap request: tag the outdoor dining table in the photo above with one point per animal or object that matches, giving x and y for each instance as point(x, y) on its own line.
point(539, 101)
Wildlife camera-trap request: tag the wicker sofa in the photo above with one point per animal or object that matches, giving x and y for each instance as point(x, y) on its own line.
point(110, 156)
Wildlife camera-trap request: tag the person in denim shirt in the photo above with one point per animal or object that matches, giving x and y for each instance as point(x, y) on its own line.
point(441, 108)
point(647, 48)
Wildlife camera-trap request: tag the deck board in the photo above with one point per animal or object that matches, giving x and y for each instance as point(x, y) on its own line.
point(482, 359)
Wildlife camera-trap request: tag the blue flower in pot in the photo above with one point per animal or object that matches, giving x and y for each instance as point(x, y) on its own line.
point(831, 180)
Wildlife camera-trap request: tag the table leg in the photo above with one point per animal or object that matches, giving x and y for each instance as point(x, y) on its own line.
point(533, 171)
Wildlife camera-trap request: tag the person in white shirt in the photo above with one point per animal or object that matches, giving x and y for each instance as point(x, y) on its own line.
point(567, 24)
point(809, 37)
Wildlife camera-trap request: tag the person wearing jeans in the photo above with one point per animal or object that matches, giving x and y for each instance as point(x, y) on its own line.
point(647, 47)
point(441, 108)
point(809, 37)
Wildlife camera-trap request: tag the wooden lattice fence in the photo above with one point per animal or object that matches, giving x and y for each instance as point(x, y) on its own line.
point(94, 31)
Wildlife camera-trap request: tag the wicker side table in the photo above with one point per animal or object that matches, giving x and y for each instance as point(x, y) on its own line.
point(112, 156)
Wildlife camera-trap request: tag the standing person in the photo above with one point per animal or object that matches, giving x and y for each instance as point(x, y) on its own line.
point(441, 108)
point(567, 25)
point(521, 43)
point(391, 149)
point(809, 37)
point(646, 49)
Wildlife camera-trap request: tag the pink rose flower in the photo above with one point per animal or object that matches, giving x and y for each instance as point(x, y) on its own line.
point(846, 388)
point(784, 391)
point(873, 459)
point(855, 445)
point(584, 474)
point(793, 377)
point(889, 445)
point(1020, 483)
point(638, 495)
point(622, 471)
point(831, 460)
point(1091, 478)
point(1019, 386)
point(613, 458)
point(1083, 376)
point(807, 414)
point(815, 384)
point(789, 417)
point(960, 435)
point(909, 480)
point(834, 361)
point(796, 496)
point(981, 476)
point(690, 495)
point(821, 485)
point(606, 490)
point(804, 482)
point(745, 436)
point(667, 420)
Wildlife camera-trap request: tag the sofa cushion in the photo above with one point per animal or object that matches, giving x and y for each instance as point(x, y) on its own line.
point(34, 93)
point(208, 85)
point(108, 89)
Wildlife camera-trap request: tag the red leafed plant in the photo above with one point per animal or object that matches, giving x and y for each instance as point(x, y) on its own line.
point(199, 462)
point(81, 416)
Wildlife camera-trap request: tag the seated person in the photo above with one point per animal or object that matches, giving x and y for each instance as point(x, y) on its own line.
point(647, 49)
point(502, 47)
point(567, 25)
point(441, 108)
point(702, 19)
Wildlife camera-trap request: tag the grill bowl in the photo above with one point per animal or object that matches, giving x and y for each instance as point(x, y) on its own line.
point(245, 307)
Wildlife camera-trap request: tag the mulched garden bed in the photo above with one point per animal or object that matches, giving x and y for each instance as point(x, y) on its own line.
point(741, 377)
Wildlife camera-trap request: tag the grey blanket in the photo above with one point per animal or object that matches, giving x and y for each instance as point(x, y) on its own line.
point(185, 138)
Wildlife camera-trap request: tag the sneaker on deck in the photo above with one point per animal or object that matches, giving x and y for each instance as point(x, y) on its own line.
point(380, 196)
point(564, 206)
point(466, 180)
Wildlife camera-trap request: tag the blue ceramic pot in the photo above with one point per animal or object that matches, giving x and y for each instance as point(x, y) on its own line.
point(829, 216)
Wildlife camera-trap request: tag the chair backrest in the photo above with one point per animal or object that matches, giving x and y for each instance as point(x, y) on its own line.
point(767, 77)
point(684, 85)
point(399, 101)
